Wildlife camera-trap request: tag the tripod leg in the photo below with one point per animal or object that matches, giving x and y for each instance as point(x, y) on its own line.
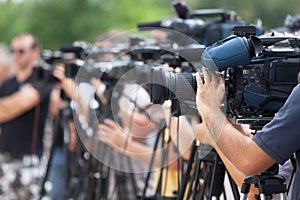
point(150, 168)
point(56, 131)
point(187, 175)
point(217, 177)
point(234, 188)
point(197, 177)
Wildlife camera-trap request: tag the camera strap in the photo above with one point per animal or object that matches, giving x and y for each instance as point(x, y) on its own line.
point(294, 164)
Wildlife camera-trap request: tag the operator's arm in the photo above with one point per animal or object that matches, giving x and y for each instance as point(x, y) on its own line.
point(240, 149)
point(18, 103)
point(70, 88)
point(144, 153)
point(111, 133)
point(201, 134)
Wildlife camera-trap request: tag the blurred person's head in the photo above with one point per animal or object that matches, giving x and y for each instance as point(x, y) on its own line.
point(6, 62)
point(111, 38)
point(25, 51)
point(159, 35)
point(291, 25)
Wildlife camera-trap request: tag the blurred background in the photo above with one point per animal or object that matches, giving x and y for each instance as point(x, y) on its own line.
point(57, 22)
point(61, 22)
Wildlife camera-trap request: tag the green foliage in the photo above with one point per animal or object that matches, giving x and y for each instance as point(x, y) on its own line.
point(271, 12)
point(58, 22)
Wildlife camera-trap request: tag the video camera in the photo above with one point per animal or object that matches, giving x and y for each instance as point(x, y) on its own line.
point(69, 55)
point(260, 73)
point(206, 26)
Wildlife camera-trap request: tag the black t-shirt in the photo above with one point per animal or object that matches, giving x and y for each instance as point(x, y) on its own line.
point(17, 135)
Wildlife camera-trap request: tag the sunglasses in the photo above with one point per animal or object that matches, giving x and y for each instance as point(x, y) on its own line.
point(18, 51)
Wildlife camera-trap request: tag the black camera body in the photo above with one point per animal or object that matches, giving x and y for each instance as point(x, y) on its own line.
point(255, 92)
point(260, 72)
point(205, 26)
point(267, 85)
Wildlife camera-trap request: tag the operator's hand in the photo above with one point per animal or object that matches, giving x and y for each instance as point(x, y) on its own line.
point(210, 94)
point(59, 72)
point(67, 84)
point(202, 134)
point(100, 89)
point(111, 133)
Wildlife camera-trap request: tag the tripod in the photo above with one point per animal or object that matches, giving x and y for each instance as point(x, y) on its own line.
point(268, 183)
point(208, 167)
point(60, 134)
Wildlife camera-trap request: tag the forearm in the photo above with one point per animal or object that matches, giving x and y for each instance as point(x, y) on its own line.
point(69, 87)
point(15, 105)
point(202, 135)
point(141, 152)
point(145, 153)
point(239, 148)
point(235, 173)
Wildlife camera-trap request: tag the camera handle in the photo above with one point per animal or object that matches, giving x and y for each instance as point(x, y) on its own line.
point(268, 185)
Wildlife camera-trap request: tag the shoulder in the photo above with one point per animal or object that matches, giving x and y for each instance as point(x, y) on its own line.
point(295, 93)
point(292, 103)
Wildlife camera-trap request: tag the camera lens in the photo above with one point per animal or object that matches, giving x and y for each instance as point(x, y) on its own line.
point(167, 85)
point(185, 86)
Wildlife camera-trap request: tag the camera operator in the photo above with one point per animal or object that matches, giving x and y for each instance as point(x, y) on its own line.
point(58, 171)
point(276, 142)
point(24, 105)
point(68, 85)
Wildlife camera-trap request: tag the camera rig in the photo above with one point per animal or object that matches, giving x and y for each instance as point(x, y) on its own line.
point(260, 73)
point(206, 26)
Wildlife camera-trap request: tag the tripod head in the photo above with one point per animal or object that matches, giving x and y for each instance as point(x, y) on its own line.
point(268, 183)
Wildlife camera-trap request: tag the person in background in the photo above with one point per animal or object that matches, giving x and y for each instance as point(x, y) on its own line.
point(291, 25)
point(24, 106)
point(6, 63)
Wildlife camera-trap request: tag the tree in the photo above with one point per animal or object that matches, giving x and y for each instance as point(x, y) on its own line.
point(271, 12)
point(57, 22)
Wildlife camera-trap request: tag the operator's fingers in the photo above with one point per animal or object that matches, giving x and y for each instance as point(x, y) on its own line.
point(215, 78)
point(59, 72)
point(207, 76)
point(199, 82)
point(113, 125)
point(110, 123)
point(105, 129)
point(102, 136)
point(222, 80)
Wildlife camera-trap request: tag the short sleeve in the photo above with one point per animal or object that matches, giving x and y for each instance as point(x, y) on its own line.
point(281, 137)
